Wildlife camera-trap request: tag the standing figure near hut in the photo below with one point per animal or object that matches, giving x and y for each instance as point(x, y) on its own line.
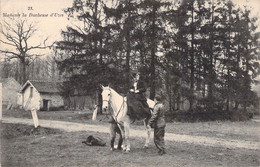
point(136, 100)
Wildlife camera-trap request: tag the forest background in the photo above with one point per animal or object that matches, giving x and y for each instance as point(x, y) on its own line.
point(201, 53)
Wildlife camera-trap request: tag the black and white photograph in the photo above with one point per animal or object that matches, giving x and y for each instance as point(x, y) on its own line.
point(129, 83)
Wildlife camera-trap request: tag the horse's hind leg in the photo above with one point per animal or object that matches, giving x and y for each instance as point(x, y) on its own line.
point(148, 133)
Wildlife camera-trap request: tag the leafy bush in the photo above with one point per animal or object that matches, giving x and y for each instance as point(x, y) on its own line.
point(185, 116)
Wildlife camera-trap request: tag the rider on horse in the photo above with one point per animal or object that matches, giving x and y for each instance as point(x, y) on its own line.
point(136, 100)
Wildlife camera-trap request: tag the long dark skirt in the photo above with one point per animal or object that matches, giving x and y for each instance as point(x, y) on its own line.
point(137, 106)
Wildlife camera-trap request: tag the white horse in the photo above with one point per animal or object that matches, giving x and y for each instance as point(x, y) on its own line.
point(119, 107)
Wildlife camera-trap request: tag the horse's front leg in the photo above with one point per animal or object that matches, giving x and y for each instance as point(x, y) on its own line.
point(127, 135)
point(122, 137)
point(120, 141)
point(112, 135)
point(148, 133)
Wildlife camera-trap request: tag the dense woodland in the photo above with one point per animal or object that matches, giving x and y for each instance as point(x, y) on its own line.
point(205, 52)
point(202, 51)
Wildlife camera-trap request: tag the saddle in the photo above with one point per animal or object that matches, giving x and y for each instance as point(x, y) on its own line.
point(137, 108)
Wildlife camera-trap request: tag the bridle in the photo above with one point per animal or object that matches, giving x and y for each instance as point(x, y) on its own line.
point(109, 100)
point(109, 103)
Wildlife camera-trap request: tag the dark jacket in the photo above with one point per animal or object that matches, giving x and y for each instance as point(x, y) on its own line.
point(137, 102)
point(158, 116)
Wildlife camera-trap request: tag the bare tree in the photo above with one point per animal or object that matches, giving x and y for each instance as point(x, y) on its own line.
point(16, 39)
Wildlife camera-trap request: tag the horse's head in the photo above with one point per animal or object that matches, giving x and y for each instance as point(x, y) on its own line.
point(106, 95)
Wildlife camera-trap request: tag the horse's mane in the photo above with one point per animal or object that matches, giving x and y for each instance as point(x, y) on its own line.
point(119, 94)
point(115, 93)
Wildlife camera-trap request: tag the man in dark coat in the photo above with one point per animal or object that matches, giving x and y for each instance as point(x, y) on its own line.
point(157, 122)
point(114, 129)
point(136, 100)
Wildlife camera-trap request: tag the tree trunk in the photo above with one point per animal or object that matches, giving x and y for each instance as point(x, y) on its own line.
point(23, 70)
point(228, 91)
point(128, 43)
point(153, 50)
point(192, 62)
point(211, 66)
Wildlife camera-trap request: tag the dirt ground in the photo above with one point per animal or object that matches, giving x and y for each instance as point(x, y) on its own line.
point(234, 130)
point(22, 145)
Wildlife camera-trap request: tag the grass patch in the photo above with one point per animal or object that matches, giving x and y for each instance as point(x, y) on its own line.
point(9, 131)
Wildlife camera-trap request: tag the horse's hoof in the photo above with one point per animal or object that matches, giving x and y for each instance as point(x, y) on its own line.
point(145, 147)
point(126, 151)
point(112, 149)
